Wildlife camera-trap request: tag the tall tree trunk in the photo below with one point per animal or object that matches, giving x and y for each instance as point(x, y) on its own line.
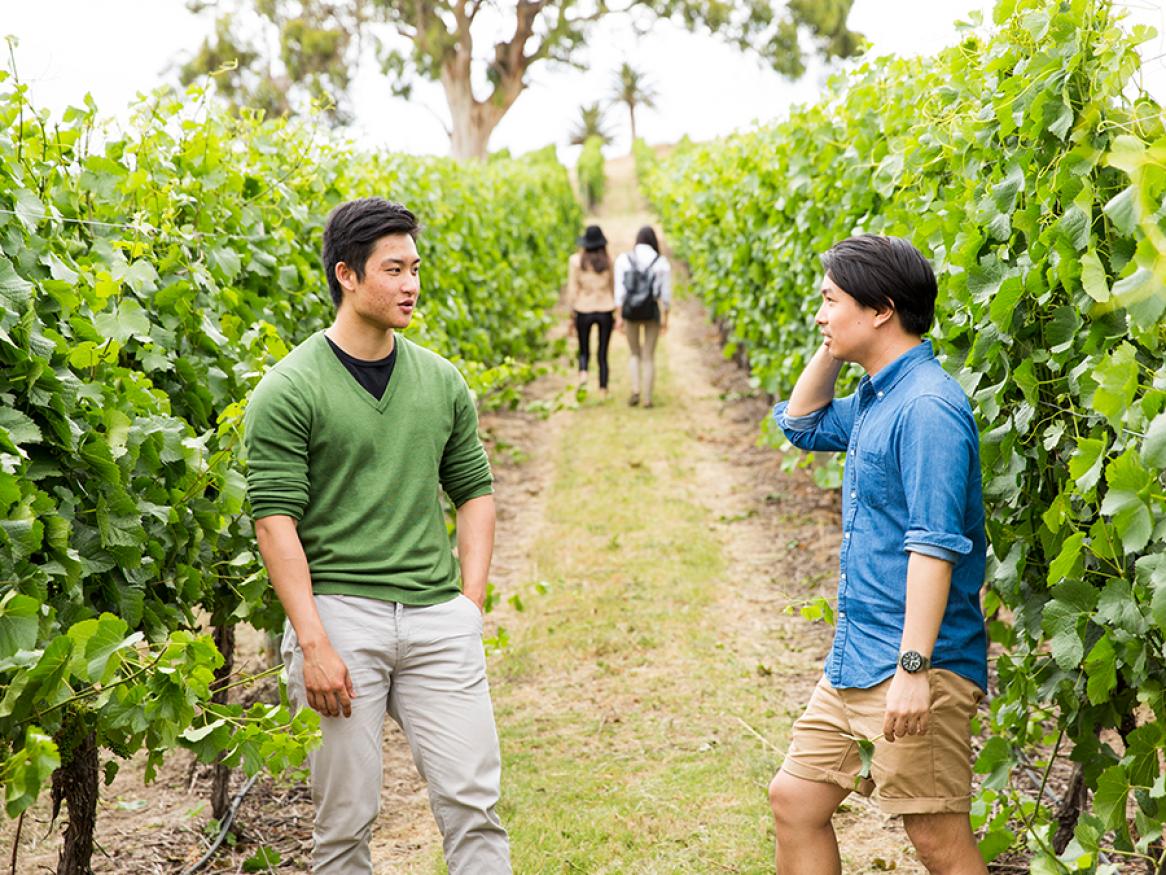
point(469, 139)
point(473, 121)
point(632, 113)
point(221, 785)
point(468, 136)
point(75, 784)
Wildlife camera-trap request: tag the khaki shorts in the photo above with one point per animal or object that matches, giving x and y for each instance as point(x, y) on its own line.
point(918, 774)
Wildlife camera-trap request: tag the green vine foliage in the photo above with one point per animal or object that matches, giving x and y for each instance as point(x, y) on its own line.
point(147, 281)
point(1032, 169)
point(591, 172)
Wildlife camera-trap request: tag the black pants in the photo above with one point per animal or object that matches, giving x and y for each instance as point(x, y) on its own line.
point(583, 323)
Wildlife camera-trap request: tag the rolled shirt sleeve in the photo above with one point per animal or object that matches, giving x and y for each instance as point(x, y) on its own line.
point(936, 453)
point(824, 430)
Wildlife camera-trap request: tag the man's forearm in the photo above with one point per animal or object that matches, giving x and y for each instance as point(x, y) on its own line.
point(815, 387)
point(327, 683)
point(475, 545)
point(287, 566)
point(909, 695)
point(928, 585)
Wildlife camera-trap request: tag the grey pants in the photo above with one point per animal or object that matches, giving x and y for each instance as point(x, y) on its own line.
point(641, 362)
point(424, 667)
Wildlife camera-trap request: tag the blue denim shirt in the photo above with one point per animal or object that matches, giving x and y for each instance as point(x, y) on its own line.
point(911, 484)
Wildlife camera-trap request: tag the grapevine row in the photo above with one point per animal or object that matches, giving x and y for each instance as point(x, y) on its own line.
point(1026, 161)
point(147, 280)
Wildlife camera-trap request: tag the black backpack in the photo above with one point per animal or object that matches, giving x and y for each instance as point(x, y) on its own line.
point(639, 304)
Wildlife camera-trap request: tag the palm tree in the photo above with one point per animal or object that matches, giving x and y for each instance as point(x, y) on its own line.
point(590, 124)
point(632, 88)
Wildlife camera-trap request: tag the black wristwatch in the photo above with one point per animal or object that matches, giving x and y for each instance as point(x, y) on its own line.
point(912, 662)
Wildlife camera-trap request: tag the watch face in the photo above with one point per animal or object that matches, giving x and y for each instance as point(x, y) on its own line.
point(911, 661)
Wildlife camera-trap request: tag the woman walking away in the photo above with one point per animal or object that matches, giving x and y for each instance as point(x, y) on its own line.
point(591, 299)
point(643, 294)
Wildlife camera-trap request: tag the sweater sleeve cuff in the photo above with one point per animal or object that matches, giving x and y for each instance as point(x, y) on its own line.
point(271, 508)
point(470, 494)
point(796, 423)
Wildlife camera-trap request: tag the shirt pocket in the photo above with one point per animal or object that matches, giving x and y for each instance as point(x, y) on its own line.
point(874, 482)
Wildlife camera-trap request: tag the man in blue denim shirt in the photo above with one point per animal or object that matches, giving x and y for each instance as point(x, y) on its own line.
point(909, 661)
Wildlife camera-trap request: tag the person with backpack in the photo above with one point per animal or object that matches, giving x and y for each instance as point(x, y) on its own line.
point(643, 294)
point(591, 300)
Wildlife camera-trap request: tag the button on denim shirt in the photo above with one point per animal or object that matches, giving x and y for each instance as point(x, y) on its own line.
point(911, 485)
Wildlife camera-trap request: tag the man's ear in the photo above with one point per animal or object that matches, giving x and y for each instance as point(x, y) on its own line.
point(882, 315)
point(345, 276)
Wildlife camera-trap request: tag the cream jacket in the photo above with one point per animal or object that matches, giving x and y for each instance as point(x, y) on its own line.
point(587, 291)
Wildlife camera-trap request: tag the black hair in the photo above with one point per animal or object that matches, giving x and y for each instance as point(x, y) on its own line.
point(647, 235)
point(596, 260)
point(885, 271)
point(352, 231)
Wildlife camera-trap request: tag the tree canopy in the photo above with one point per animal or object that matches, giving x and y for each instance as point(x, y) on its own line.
point(320, 43)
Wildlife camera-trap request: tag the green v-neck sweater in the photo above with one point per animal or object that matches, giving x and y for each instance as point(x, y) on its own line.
point(362, 476)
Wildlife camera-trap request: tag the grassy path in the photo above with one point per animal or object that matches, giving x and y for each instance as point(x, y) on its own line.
point(625, 705)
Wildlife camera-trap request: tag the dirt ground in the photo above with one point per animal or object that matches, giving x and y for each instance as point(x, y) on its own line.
point(779, 533)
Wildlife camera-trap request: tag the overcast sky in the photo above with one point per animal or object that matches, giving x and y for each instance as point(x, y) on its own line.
point(117, 48)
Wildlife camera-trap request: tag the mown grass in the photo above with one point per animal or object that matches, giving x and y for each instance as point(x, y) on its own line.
point(618, 701)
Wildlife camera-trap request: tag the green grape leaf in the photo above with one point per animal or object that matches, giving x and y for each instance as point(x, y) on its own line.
point(1154, 443)
point(1087, 462)
point(1117, 381)
point(1074, 224)
point(996, 760)
point(15, 291)
point(142, 278)
point(29, 208)
point(1093, 278)
point(1101, 670)
point(1118, 608)
point(1067, 560)
point(1005, 192)
point(1109, 800)
point(995, 842)
point(28, 770)
point(1122, 210)
point(20, 427)
point(19, 622)
point(108, 640)
point(1150, 572)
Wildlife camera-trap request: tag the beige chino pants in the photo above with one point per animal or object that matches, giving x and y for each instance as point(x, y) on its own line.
point(642, 359)
point(425, 668)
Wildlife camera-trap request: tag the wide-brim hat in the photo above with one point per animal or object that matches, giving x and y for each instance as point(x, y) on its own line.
point(592, 238)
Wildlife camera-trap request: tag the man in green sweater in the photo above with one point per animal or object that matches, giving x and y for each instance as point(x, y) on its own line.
point(350, 440)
